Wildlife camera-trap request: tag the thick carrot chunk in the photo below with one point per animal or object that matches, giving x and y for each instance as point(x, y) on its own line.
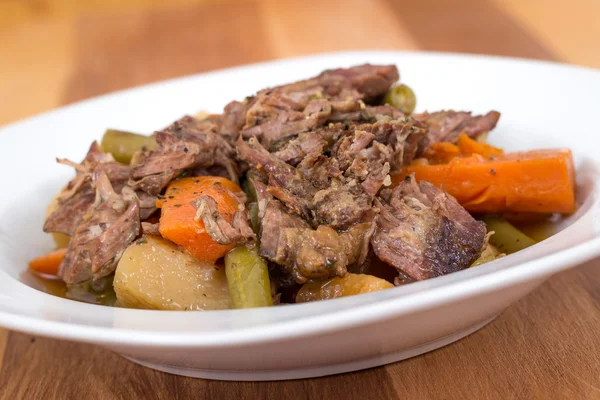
point(177, 220)
point(538, 181)
point(48, 263)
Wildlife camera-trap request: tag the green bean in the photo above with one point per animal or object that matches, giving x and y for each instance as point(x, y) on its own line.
point(401, 97)
point(248, 187)
point(247, 278)
point(254, 220)
point(122, 145)
point(507, 237)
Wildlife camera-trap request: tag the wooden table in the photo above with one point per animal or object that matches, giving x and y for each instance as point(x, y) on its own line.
point(55, 52)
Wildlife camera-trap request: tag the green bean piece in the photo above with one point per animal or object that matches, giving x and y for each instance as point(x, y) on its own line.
point(401, 97)
point(254, 220)
point(247, 278)
point(248, 187)
point(123, 145)
point(507, 238)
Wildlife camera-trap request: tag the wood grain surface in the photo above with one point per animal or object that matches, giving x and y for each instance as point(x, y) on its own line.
point(55, 52)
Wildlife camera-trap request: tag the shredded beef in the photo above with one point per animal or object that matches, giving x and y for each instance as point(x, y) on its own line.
point(446, 126)
point(110, 225)
point(307, 253)
point(220, 230)
point(335, 95)
point(188, 143)
point(424, 233)
point(79, 194)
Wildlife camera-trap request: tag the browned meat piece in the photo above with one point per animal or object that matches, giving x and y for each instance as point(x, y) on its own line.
point(384, 112)
point(69, 215)
point(188, 143)
point(308, 253)
point(234, 118)
point(75, 198)
point(335, 95)
point(341, 205)
point(402, 137)
point(111, 224)
point(335, 190)
point(147, 204)
point(370, 80)
point(271, 123)
point(296, 149)
point(150, 228)
point(285, 181)
point(219, 229)
point(446, 126)
point(424, 233)
point(365, 161)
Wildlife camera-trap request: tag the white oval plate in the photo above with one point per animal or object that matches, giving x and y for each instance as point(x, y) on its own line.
point(543, 105)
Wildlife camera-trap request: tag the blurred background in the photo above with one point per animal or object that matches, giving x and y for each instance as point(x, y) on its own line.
point(54, 52)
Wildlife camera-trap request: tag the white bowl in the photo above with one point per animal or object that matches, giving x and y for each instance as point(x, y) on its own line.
point(543, 105)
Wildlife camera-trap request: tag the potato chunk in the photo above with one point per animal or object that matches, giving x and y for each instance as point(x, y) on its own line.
point(349, 285)
point(156, 274)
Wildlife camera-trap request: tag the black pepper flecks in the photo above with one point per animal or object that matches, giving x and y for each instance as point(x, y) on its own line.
point(493, 171)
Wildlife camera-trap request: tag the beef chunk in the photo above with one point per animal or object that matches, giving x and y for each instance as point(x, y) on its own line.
point(338, 188)
point(78, 195)
point(335, 95)
point(424, 233)
point(188, 143)
point(307, 253)
point(220, 230)
point(370, 80)
point(446, 126)
point(295, 150)
point(285, 181)
point(402, 136)
point(110, 225)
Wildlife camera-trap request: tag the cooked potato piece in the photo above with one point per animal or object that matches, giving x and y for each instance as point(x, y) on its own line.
point(155, 274)
point(60, 239)
point(349, 285)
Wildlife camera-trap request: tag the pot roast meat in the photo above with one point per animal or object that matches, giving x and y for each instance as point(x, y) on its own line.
point(296, 149)
point(424, 233)
point(306, 253)
point(334, 95)
point(402, 136)
point(237, 231)
point(78, 195)
point(188, 143)
point(110, 225)
point(446, 126)
point(338, 188)
point(371, 81)
point(284, 181)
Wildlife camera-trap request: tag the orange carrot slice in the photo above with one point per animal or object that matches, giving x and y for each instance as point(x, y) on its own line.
point(538, 181)
point(48, 263)
point(177, 222)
